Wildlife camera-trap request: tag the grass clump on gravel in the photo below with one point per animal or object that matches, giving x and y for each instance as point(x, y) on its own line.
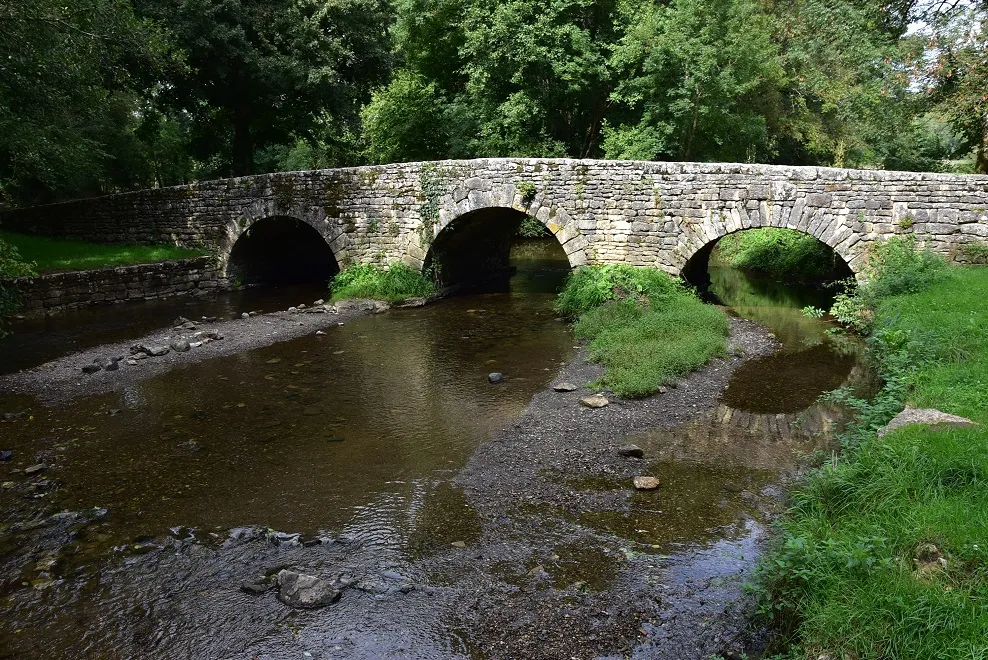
point(55, 254)
point(646, 328)
point(884, 553)
point(397, 282)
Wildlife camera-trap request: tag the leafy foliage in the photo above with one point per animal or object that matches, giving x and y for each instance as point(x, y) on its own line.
point(894, 267)
point(397, 282)
point(781, 253)
point(646, 328)
point(12, 266)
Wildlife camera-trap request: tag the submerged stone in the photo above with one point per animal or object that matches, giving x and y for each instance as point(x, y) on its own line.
point(495, 378)
point(646, 483)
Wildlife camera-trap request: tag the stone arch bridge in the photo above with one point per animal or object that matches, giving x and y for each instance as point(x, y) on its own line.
point(643, 213)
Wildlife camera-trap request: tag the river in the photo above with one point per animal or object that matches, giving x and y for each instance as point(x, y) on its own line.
point(349, 444)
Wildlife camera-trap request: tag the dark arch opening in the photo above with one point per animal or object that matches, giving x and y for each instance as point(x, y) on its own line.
point(483, 249)
point(810, 263)
point(279, 251)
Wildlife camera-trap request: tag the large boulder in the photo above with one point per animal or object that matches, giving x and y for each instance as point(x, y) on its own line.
point(305, 591)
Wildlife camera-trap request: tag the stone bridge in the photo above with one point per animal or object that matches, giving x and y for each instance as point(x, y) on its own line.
point(460, 215)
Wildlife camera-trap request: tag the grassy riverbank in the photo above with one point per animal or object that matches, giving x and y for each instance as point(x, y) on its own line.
point(884, 553)
point(646, 328)
point(394, 283)
point(51, 255)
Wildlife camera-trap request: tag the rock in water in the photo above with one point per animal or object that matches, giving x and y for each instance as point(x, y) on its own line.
point(305, 591)
point(646, 483)
point(495, 378)
point(595, 401)
point(565, 387)
point(180, 346)
point(631, 451)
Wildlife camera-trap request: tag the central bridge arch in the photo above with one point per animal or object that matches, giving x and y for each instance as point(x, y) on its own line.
point(476, 246)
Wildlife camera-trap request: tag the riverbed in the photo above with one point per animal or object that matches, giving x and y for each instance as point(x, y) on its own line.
point(461, 518)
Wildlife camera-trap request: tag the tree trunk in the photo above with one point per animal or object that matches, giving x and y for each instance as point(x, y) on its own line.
point(981, 164)
point(243, 142)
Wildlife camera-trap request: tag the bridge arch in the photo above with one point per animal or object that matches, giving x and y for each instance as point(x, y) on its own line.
point(699, 238)
point(475, 245)
point(279, 249)
point(696, 266)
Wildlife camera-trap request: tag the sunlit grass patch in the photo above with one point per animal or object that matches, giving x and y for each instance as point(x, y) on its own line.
point(646, 328)
point(52, 254)
point(394, 283)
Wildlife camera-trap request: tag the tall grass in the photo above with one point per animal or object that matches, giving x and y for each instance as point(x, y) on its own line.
point(884, 553)
point(781, 253)
point(397, 282)
point(646, 328)
point(53, 254)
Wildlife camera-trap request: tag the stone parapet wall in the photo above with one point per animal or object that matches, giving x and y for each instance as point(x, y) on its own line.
point(56, 292)
point(643, 213)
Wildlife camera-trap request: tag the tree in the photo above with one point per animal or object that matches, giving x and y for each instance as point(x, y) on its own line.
point(698, 81)
point(68, 73)
point(266, 72)
point(404, 121)
point(955, 73)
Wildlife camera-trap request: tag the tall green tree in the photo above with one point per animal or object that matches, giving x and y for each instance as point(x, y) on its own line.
point(956, 70)
point(699, 80)
point(69, 74)
point(266, 72)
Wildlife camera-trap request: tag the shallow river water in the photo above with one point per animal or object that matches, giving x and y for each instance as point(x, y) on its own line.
point(353, 439)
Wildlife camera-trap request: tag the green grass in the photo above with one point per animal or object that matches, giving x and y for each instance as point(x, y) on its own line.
point(781, 253)
point(51, 254)
point(843, 579)
point(642, 325)
point(397, 282)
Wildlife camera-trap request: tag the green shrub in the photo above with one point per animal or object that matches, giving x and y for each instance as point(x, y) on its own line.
point(894, 267)
point(532, 228)
point(396, 282)
point(592, 286)
point(11, 267)
point(780, 253)
point(646, 328)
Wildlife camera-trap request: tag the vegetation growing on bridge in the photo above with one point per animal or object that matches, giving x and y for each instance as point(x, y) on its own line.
point(52, 254)
point(784, 254)
point(647, 329)
point(397, 282)
point(883, 553)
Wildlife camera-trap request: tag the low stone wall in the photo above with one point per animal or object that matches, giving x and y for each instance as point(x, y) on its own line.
point(56, 292)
